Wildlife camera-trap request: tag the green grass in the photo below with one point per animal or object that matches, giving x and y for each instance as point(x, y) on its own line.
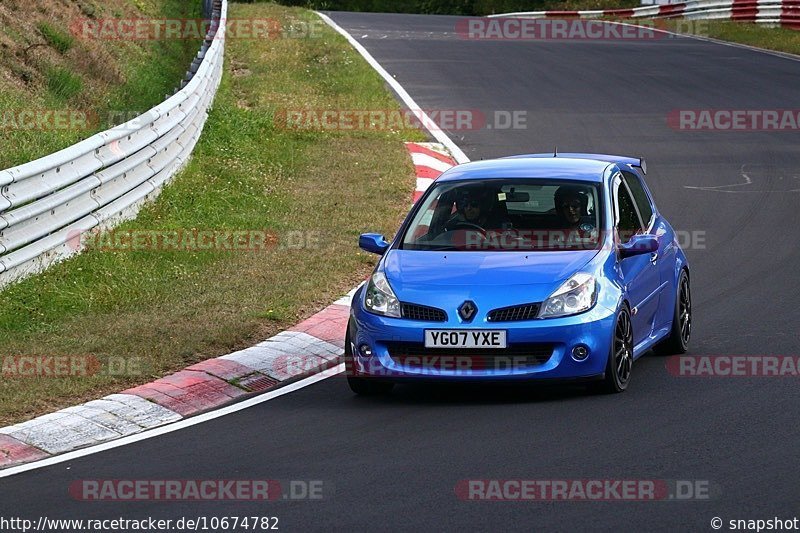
point(87, 8)
point(170, 309)
point(570, 5)
point(157, 71)
point(56, 38)
point(62, 83)
point(105, 79)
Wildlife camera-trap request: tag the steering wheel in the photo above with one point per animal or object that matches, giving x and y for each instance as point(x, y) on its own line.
point(463, 224)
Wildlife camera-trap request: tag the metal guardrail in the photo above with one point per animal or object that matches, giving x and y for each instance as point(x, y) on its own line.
point(768, 12)
point(46, 204)
point(208, 8)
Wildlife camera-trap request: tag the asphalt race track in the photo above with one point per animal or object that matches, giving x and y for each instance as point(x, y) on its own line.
point(393, 463)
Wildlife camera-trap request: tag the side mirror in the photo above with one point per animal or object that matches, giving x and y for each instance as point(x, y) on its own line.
point(374, 243)
point(639, 245)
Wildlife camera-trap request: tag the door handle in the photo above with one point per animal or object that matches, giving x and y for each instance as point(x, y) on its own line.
point(654, 257)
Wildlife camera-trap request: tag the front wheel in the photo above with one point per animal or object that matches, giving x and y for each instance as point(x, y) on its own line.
point(681, 332)
point(620, 360)
point(360, 385)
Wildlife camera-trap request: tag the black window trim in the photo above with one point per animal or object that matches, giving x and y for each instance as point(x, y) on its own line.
point(649, 226)
point(616, 183)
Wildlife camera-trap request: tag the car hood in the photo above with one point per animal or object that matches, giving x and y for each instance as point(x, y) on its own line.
point(539, 273)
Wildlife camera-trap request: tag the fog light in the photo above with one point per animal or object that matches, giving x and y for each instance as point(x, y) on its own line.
point(365, 350)
point(580, 352)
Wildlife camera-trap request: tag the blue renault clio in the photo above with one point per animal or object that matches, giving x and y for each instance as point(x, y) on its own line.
point(533, 267)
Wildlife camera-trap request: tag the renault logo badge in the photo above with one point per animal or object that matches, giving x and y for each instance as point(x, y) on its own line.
point(467, 311)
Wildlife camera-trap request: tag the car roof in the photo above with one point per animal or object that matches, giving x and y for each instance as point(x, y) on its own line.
point(618, 159)
point(567, 168)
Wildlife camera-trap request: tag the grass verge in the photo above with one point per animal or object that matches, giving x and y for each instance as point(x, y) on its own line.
point(45, 68)
point(56, 38)
point(585, 5)
point(158, 311)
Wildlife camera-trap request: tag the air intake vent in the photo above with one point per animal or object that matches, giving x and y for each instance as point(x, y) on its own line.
point(514, 313)
point(422, 313)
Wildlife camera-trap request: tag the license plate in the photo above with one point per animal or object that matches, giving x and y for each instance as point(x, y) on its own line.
point(464, 338)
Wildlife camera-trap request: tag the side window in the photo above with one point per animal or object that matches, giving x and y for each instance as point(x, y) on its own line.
point(628, 223)
point(639, 196)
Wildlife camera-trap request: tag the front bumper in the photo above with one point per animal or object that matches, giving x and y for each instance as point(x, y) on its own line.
point(593, 330)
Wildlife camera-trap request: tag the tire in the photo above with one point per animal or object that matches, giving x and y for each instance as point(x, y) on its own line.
point(359, 385)
point(620, 359)
point(678, 340)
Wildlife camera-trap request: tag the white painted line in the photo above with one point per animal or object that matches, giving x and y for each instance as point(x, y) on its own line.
point(149, 434)
point(426, 160)
point(437, 133)
point(784, 55)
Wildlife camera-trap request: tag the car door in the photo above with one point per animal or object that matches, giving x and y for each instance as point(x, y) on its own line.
point(665, 258)
point(639, 273)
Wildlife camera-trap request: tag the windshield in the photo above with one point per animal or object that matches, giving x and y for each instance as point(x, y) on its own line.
point(536, 214)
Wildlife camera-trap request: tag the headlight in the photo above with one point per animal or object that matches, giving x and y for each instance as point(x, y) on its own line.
point(576, 295)
point(380, 298)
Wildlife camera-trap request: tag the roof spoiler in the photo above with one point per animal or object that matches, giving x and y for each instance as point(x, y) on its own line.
point(622, 160)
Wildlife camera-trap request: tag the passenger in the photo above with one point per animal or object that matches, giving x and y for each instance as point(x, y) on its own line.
point(575, 226)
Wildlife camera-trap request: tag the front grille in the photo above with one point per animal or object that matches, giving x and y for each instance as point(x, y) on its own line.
point(422, 312)
point(523, 355)
point(513, 313)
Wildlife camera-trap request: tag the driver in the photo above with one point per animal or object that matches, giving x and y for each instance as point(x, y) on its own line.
point(570, 202)
point(471, 209)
